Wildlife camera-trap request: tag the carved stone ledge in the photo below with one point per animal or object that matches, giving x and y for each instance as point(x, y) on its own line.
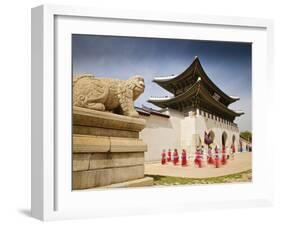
point(91, 144)
point(118, 144)
point(93, 118)
point(82, 162)
point(97, 131)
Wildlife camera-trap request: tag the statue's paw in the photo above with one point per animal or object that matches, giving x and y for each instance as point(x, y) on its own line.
point(96, 106)
point(134, 114)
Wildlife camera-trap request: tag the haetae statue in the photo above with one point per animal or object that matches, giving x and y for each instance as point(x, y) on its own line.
point(107, 94)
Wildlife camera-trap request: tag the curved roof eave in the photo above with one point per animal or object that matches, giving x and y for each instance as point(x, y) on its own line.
point(171, 78)
point(176, 98)
point(235, 97)
point(217, 103)
point(239, 112)
point(153, 98)
point(198, 89)
point(212, 84)
point(164, 78)
point(163, 81)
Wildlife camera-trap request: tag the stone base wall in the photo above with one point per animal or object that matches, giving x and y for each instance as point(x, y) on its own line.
point(106, 148)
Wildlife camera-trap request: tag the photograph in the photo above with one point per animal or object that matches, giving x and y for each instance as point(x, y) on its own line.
point(160, 112)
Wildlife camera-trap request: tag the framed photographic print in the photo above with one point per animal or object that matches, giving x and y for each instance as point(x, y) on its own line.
point(136, 113)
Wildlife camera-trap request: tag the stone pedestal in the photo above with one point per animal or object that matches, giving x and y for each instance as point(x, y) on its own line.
point(107, 149)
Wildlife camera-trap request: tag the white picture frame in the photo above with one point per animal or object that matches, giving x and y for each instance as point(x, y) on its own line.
point(52, 197)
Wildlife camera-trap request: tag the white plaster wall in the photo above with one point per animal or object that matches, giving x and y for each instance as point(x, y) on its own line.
point(161, 133)
point(182, 132)
point(188, 130)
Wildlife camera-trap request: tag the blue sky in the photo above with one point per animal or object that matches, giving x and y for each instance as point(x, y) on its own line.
point(228, 64)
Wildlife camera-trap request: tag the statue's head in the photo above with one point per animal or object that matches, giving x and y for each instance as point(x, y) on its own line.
point(137, 84)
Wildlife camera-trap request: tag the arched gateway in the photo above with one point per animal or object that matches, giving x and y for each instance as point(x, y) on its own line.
point(233, 139)
point(224, 138)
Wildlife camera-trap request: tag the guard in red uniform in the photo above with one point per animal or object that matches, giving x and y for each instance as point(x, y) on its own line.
point(163, 160)
point(169, 159)
point(210, 159)
point(175, 157)
point(217, 158)
point(198, 158)
point(223, 157)
point(183, 158)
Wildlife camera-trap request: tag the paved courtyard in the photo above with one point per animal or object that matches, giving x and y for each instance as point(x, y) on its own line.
point(242, 162)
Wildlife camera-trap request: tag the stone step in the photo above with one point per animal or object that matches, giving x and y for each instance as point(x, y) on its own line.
point(103, 177)
point(143, 182)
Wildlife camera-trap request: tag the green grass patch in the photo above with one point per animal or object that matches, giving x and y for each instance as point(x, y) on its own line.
point(245, 176)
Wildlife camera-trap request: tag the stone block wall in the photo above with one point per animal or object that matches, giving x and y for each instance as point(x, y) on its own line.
point(106, 149)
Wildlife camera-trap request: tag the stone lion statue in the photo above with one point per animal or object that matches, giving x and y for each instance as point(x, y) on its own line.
point(107, 94)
